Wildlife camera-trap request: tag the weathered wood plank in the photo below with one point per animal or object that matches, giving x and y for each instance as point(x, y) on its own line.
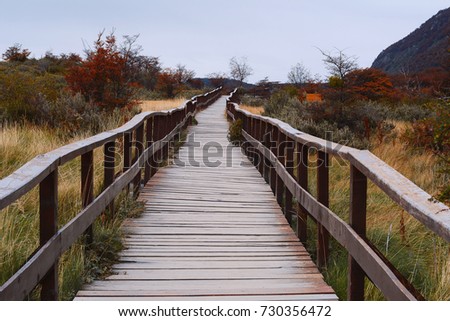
point(278, 297)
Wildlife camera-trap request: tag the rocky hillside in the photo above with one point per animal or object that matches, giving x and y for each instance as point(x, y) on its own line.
point(426, 47)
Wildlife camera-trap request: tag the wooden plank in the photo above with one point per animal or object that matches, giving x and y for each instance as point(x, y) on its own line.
point(279, 297)
point(197, 287)
point(194, 264)
point(217, 274)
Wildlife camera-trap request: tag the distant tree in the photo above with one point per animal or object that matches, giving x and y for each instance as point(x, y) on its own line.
point(196, 83)
point(144, 70)
point(339, 64)
point(140, 70)
point(172, 81)
point(240, 69)
point(104, 76)
point(299, 75)
point(15, 53)
point(263, 88)
point(183, 74)
point(217, 78)
point(167, 83)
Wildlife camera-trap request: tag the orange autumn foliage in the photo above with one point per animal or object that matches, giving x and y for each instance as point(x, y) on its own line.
point(102, 77)
point(369, 84)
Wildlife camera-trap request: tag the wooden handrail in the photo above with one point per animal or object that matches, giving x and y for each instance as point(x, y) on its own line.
point(363, 257)
point(43, 170)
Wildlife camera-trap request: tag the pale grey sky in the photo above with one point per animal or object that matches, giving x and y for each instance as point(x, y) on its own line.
point(204, 35)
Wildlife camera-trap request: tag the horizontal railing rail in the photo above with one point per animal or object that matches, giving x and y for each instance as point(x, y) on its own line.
point(274, 144)
point(145, 141)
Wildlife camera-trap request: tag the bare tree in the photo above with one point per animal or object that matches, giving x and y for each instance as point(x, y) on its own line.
point(240, 69)
point(339, 64)
point(299, 75)
point(183, 74)
point(217, 78)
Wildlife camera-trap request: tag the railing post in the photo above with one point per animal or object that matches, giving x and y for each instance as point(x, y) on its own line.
point(302, 179)
point(251, 131)
point(357, 220)
point(265, 137)
point(190, 109)
point(322, 197)
point(154, 158)
point(165, 120)
point(127, 144)
point(157, 135)
point(281, 142)
point(258, 137)
point(139, 149)
point(87, 187)
point(273, 147)
point(149, 142)
point(109, 170)
point(289, 149)
point(48, 226)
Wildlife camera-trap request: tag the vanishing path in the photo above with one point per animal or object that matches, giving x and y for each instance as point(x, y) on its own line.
point(211, 230)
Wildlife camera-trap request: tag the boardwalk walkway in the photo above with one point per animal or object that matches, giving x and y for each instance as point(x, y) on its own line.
point(211, 230)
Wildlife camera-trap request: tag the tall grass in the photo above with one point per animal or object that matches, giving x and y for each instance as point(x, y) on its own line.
point(253, 109)
point(159, 105)
point(19, 222)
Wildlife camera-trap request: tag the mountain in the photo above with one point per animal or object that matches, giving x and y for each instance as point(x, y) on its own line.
point(426, 47)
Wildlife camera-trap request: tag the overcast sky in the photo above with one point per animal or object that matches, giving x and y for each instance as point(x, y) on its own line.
point(203, 35)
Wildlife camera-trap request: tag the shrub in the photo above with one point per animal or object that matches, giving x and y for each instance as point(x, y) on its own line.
point(235, 132)
point(349, 125)
point(21, 87)
point(252, 101)
point(433, 133)
point(409, 112)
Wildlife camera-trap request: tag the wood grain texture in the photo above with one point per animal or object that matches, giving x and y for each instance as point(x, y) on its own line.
point(211, 230)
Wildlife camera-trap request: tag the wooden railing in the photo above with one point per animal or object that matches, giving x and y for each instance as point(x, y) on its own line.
point(146, 140)
point(272, 144)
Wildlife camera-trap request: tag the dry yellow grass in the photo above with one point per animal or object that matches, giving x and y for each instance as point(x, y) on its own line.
point(160, 105)
point(252, 109)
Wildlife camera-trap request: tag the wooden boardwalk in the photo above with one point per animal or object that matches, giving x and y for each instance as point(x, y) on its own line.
point(211, 230)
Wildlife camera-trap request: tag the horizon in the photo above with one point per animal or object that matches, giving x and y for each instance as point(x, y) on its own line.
point(274, 36)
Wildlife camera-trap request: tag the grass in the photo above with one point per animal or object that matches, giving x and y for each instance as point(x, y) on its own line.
point(19, 222)
point(160, 105)
point(253, 109)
